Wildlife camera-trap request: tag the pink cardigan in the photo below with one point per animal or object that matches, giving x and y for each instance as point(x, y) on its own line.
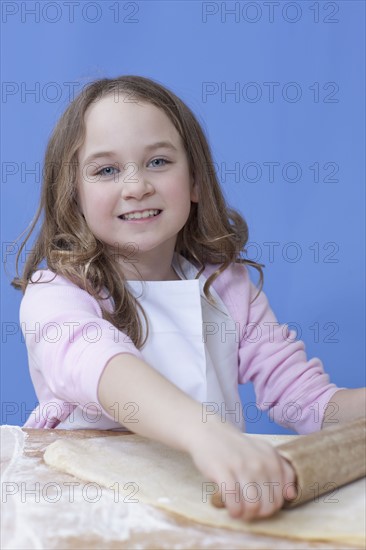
point(67, 353)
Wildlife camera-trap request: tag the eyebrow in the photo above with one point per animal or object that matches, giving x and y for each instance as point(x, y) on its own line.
point(111, 154)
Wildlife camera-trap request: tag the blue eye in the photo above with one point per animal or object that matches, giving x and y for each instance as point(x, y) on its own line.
point(160, 159)
point(109, 170)
point(103, 173)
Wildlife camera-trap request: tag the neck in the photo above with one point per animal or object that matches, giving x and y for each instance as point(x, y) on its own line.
point(150, 273)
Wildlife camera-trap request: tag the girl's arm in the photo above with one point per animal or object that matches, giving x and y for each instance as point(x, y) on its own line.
point(345, 405)
point(220, 451)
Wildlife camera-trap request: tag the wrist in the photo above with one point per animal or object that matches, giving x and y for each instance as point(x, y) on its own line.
point(208, 428)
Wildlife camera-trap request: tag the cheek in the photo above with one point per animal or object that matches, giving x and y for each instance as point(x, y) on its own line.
point(178, 187)
point(95, 201)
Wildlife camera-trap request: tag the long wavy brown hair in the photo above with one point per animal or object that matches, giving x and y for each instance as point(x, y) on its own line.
point(214, 233)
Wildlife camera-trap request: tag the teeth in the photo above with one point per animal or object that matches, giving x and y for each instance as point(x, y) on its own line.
point(140, 215)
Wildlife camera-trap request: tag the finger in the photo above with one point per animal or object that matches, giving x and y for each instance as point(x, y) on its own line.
point(272, 484)
point(279, 473)
point(259, 499)
point(289, 481)
point(252, 498)
point(230, 496)
point(241, 498)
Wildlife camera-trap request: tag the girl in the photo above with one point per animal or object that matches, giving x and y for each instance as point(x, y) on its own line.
point(143, 316)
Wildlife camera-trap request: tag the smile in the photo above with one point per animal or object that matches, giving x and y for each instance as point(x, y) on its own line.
point(146, 214)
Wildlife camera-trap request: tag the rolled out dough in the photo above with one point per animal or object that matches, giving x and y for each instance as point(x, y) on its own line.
point(146, 471)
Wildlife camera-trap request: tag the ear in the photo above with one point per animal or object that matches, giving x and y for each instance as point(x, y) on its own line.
point(194, 192)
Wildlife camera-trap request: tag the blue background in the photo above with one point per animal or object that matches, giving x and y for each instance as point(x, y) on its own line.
point(186, 45)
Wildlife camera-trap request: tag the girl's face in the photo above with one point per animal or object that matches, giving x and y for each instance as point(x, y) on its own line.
point(133, 160)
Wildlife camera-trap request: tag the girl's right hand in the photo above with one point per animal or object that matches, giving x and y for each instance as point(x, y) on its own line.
point(254, 468)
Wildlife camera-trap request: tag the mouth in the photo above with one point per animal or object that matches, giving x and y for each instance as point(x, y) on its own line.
point(140, 216)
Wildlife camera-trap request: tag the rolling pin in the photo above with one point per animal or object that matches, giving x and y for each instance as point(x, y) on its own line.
point(322, 461)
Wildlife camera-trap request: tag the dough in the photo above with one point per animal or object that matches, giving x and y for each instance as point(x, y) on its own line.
point(150, 472)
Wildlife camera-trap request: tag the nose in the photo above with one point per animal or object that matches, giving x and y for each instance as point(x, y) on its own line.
point(135, 184)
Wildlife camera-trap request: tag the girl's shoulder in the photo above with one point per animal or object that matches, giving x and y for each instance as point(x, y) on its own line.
point(238, 292)
point(54, 282)
point(48, 291)
point(46, 275)
point(235, 278)
point(233, 285)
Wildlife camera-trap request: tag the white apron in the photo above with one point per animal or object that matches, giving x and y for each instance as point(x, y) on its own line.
point(192, 343)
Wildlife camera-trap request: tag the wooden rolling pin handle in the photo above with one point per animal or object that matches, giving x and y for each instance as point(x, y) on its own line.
point(322, 461)
point(326, 460)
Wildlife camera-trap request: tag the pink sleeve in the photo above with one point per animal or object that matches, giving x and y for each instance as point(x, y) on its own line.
point(68, 342)
point(292, 388)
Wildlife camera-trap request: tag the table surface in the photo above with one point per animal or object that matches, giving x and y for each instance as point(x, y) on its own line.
point(161, 531)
